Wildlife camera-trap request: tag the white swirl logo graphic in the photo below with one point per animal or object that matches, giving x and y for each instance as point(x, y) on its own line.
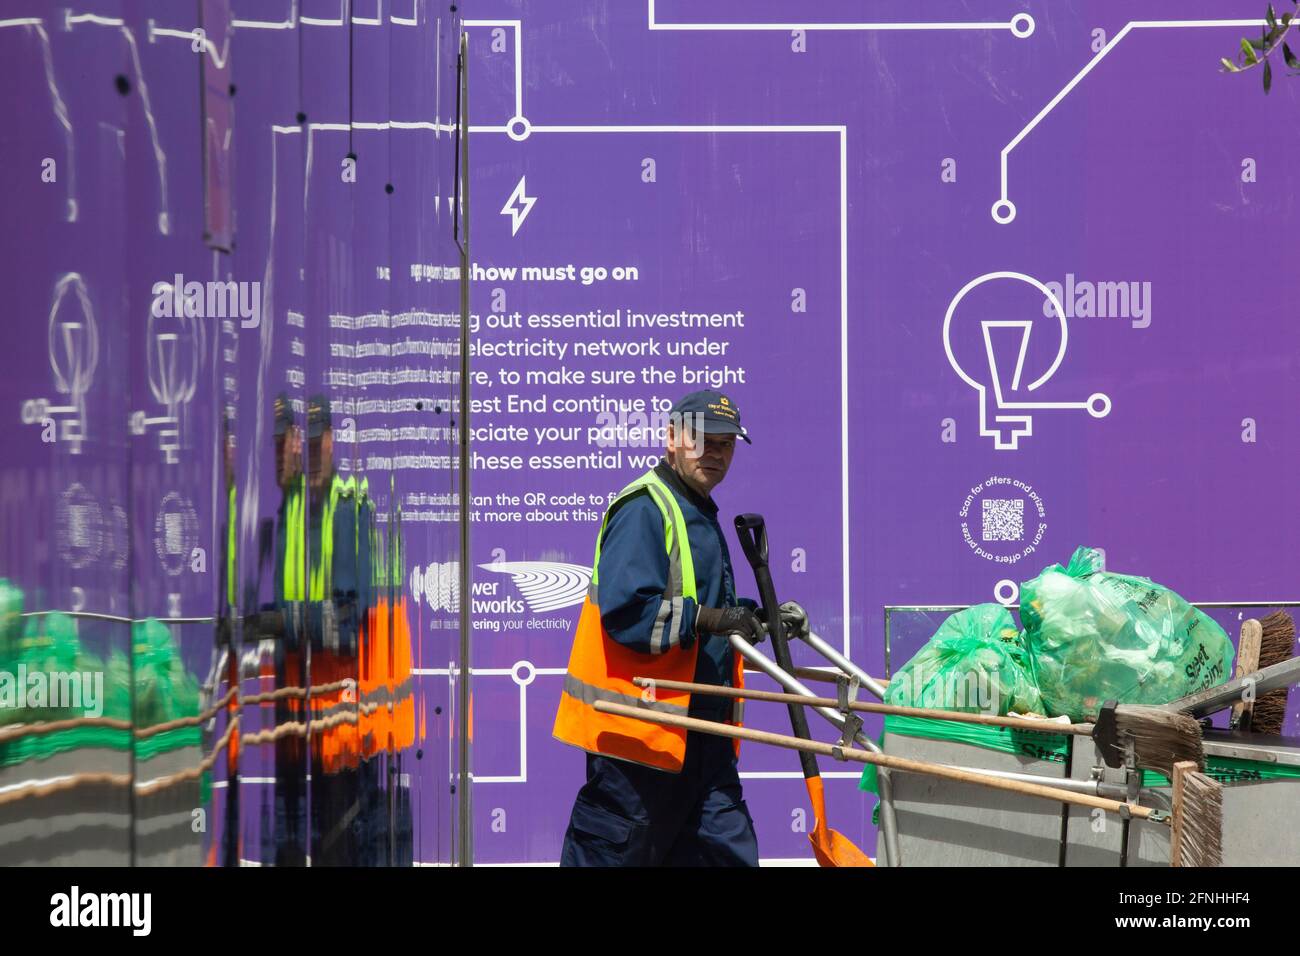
point(439, 584)
point(546, 585)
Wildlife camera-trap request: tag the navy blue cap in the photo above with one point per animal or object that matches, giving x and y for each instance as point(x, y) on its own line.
point(714, 412)
point(318, 416)
point(283, 414)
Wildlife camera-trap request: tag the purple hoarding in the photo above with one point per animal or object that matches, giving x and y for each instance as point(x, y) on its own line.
point(856, 230)
point(988, 281)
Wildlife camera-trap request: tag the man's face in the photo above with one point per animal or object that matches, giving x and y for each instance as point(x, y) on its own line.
point(701, 460)
point(288, 447)
point(320, 453)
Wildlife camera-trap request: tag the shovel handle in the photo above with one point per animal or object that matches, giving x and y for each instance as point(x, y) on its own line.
point(752, 531)
point(867, 707)
point(902, 764)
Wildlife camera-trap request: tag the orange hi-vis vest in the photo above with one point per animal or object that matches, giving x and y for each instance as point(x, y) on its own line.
point(600, 668)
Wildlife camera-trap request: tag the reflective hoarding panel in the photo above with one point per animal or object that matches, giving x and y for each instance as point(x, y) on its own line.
point(67, 524)
point(205, 506)
point(263, 817)
point(176, 305)
point(423, 291)
point(334, 512)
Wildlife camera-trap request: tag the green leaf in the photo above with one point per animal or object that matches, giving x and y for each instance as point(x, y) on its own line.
point(1229, 66)
point(1260, 43)
point(1271, 16)
point(1268, 75)
point(1290, 57)
point(1249, 52)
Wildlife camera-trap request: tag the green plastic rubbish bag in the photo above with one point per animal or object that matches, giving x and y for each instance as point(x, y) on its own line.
point(11, 616)
point(164, 689)
point(1095, 636)
point(975, 663)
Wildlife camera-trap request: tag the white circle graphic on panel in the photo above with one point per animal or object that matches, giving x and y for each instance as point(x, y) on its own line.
point(79, 526)
point(175, 533)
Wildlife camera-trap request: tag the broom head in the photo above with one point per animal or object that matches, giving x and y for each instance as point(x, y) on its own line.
point(1275, 645)
point(1161, 738)
point(1197, 838)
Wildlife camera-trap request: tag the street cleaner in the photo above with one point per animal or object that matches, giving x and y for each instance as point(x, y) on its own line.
point(662, 605)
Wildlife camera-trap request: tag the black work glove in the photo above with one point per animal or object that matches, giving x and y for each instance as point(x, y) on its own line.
point(793, 617)
point(730, 620)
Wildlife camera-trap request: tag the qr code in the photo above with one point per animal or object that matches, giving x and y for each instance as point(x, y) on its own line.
point(174, 532)
point(1004, 519)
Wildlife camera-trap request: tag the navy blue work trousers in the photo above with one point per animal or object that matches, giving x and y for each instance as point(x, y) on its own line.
point(630, 815)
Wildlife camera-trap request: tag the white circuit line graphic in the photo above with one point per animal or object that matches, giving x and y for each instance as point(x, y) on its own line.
point(1004, 210)
point(1021, 25)
point(524, 673)
point(1006, 430)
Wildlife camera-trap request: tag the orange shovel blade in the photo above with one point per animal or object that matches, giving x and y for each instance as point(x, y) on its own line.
point(830, 847)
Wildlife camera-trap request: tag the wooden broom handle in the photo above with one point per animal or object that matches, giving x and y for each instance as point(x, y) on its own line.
point(880, 760)
point(866, 707)
point(1248, 645)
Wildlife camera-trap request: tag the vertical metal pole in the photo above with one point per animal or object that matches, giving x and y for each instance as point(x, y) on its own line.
point(884, 782)
point(792, 685)
point(464, 776)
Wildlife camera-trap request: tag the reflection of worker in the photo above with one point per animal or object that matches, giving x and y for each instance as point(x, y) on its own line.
point(332, 622)
point(229, 679)
point(359, 637)
point(287, 845)
point(661, 604)
point(289, 586)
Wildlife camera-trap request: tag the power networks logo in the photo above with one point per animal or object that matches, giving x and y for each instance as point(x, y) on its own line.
point(546, 585)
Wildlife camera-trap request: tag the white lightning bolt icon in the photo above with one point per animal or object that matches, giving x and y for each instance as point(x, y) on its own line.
point(518, 206)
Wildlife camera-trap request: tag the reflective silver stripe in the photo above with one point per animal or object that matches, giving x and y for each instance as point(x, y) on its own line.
point(670, 612)
point(671, 608)
point(589, 694)
point(674, 550)
point(657, 628)
point(674, 627)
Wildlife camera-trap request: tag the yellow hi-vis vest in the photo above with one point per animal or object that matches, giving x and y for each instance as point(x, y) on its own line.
point(600, 668)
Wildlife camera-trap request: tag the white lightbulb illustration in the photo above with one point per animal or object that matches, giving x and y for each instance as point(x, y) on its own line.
point(1011, 417)
point(74, 353)
point(174, 358)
